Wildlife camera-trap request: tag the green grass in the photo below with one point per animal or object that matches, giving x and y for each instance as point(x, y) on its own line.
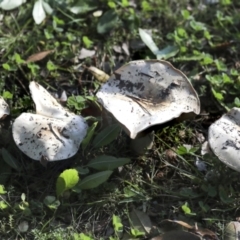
point(164, 182)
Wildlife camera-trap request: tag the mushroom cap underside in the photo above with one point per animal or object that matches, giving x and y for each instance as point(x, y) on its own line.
point(4, 109)
point(144, 93)
point(45, 103)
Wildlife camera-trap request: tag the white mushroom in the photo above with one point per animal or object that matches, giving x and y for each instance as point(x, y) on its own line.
point(4, 109)
point(144, 93)
point(53, 133)
point(224, 138)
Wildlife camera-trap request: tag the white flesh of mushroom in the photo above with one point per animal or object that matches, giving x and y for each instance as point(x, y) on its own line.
point(145, 93)
point(45, 104)
point(52, 134)
point(224, 138)
point(4, 108)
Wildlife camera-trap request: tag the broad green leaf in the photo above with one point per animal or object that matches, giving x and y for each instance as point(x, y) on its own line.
point(107, 162)
point(147, 39)
point(10, 160)
point(94, 180)
point(117, 223)
point(107, 22)
point(167, 52)
point(66, 180)
point(11, 4)
point(89, 136)
point(38, 12)
point(106, 136)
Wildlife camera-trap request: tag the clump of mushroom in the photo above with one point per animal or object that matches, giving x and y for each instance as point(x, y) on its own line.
point(4, 109)
point(224, 138)
point(145, 93)
point(53, 133)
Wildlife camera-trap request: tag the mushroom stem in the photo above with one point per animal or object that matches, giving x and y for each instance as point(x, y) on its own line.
point(142, 143)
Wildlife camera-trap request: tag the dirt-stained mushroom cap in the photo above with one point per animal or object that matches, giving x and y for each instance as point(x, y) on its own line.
point(144, 93)
point(42, 137)
point(4, 109)
point(224, 138)
point(53, 134)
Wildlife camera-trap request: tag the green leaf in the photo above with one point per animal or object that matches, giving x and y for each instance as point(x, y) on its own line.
point(107, 162)
point(94, 180)
point(224, 195)
point(89, 136)
point(51, 202)
point(81, 236)
point(117, 223)
point(217, 95)
point(87, 42)
point(136, 233)
point(106, 136)
point(18, 58)
point(51, 66)
point(3, 205)
point(147, 39)
point(2, 189)
point(10, 160)
point(186, 209)
point(185, 13)
point(66, 180)
point(107, 22)
point(82, 6)
point(182, 150)
point(7, 95)
point(167, 52)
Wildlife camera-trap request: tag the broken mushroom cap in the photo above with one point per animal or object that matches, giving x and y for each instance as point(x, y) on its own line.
point(144, 93)
point(52, 134)
point(45, 103)
point(224, 138)
point(4, 109)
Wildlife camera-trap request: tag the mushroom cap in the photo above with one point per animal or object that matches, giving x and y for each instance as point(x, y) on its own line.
point(43, 137)
point(224, 138)
point(53, 133)
point(4, 109)
point(45, 103)
point(144, 93)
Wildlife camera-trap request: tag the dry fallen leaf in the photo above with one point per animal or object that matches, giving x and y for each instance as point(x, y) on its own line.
point(84, 53)
point(98, 74)
point(38, 56)
point(140, 221)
